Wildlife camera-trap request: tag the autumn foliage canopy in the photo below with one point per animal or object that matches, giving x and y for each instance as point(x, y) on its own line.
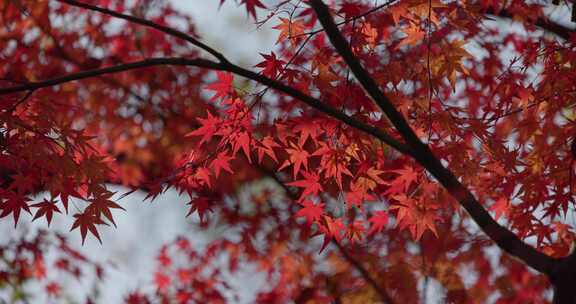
point(381, 151)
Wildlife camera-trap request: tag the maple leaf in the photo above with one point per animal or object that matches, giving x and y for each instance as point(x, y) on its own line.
point(266, 146)
point(298, 157)
point(87, 222)
point(355, 231)
point(356, 197)
point(418, 217)
point(307, 129)
point(208, 129)
point(241, 140)
point(400, 10)
point(101, 205)
point(45, 208)
point(363, 184)
point(333, 163)
point(332, 230)
point(201, 205)
point(312, 212)
point(407, 176)
point(272, 66)
point(350, 10)
point(65, 189)
point(222, 161)
point(501, 207)
point(251, 6)
point(413, 36)
point(202, 176)
point(310, 183)
point(422, 10)
point(223, 86)
point(378, 222)
point(289, 29)
point(370, 34)
point(13, 204)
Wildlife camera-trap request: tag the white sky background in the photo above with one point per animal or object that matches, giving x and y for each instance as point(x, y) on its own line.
point(230, 30)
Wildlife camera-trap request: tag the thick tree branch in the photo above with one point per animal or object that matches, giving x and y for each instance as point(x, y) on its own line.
point(96, 72)
point(167, 30)
point(221, 66)
point(503, 237)
point(225, 65)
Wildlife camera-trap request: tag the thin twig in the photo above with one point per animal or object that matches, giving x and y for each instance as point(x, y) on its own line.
point(503, 237)
point(167, 30)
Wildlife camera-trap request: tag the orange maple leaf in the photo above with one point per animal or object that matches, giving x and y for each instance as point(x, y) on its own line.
point(298, 158)
point(290, 29)
point(414, 34)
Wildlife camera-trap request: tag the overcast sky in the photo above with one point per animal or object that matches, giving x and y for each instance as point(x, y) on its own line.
point(229, 29)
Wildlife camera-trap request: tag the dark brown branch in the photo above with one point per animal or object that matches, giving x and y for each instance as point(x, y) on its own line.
point(503, 237)
point(95, 72)
point(222, 66)
point(364, 273)
point(351, 19)
point(543, 23)
point(167, 30)
point(320, 106)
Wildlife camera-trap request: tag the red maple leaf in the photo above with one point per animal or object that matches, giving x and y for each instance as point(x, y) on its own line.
point(290, 29)
point(222, 161)
point(355, 231)
point(310, 183)
point(45, 208)
point(201, 205)
point(209, 127)
point(13, 204)
point(332, 230)
point(312, 212)
point(501, 207)
point(298, 157)
point(266, 146)
point(241, 140)
point(102, 205)
point(378, 222)
point(251, 6)
point(272, 66)
point(223, 86)
point(87, 221)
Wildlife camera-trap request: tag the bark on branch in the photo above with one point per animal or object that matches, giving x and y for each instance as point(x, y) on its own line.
point(136, 20)
point(503, 237)
point(220, 66)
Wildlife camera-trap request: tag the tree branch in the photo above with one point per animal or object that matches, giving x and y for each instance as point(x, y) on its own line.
point(543, 23)
point(380, 290)
point(364, 272)
point(503, 237)
point(221, 66)
point(227, 66)
point(167, 30)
